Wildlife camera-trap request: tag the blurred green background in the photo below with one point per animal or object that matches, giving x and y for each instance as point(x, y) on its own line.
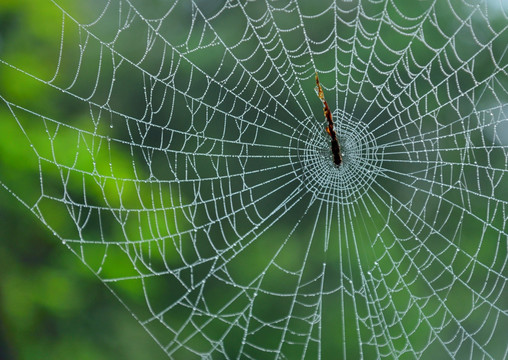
point(52, 307)
point(51, 304)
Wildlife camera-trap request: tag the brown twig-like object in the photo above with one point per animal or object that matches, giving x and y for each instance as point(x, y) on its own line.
point(337, 157)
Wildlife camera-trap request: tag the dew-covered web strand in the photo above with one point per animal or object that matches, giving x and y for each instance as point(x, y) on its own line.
point(343, 213)
point(172, 87)
point(203, 226)
point(348, 213)
point(442, 105)
point(156, 126)
point(441, 236)
point(422, 139)
point(120, 141)
point(251, 24)
point(485, 81)
point(280, 76)
point(369, 61)
point(299, 282)
point(351, 65)
point(258, 289)
point(433, 134)
point(402, 55)
point(445, 79)
point(288, 204)
point(140, 121)
point(470, 213)
point(457, 279)
point(441, 163)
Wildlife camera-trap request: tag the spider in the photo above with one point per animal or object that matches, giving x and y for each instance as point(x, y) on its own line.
point(337, 157)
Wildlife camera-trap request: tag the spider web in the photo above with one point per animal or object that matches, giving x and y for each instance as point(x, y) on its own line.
point(189, 169)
